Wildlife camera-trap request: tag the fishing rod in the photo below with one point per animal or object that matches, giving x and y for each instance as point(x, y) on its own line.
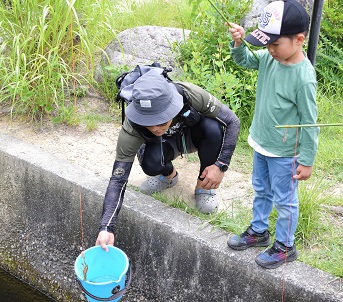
point(231, 24)
point(309, 125)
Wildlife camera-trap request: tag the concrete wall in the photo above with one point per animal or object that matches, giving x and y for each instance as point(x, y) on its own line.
point(175, 257)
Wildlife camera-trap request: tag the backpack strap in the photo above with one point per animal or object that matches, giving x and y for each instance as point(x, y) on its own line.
point(182, 92)
point(189, 115)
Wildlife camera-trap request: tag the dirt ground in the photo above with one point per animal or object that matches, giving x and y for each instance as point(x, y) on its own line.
point(95, 151)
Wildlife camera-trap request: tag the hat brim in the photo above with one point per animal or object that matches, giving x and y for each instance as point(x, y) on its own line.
point(260, 38)
point(156, 119)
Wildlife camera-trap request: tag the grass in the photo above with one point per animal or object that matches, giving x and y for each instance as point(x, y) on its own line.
point(49, 50)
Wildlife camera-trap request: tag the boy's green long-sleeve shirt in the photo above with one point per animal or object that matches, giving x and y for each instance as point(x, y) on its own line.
point(285, 95)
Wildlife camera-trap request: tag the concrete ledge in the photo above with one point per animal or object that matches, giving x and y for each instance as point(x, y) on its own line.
point(175, 257)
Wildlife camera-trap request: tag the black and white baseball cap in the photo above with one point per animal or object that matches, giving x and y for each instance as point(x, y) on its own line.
point(279, 18)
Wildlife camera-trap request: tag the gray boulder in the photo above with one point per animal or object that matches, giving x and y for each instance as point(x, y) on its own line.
point(142, 45)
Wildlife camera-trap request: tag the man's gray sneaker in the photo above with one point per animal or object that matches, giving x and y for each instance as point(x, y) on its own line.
point(206, 201)
point(158, 183)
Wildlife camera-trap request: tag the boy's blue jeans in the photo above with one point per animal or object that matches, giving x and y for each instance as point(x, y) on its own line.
point(273, 182)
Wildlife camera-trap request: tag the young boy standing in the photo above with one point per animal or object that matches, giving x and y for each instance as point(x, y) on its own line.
point(285, 95)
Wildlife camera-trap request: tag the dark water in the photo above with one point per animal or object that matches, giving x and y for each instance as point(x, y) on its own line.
point(13, 290)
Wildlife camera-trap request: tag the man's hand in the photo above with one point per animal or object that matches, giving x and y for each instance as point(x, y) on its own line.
point(303, 172)
point(105, 238)
point(212, 177)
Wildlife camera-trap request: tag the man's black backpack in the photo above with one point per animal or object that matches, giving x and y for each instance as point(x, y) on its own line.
point(126, 80)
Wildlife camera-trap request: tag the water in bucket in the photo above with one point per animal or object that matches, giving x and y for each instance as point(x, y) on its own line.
point(105, 273)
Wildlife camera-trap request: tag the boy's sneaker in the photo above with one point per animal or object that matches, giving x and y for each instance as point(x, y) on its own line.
point(276, 255)
point(249, 238)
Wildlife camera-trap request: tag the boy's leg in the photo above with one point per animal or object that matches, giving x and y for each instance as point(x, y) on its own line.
point(286, 202)
point(257, 233)
point(263, 198)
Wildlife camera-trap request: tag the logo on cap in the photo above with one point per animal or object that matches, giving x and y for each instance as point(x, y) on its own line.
point(145, 103)
point(265, 18)
point(260, 36)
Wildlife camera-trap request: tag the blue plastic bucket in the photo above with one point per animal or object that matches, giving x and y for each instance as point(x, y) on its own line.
point(102, 275)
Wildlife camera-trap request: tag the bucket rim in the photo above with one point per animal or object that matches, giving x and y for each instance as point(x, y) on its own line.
point(80, 277)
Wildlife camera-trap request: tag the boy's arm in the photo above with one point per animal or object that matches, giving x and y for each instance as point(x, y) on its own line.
point(308, 113)
point(239, 52)
point(237, 33)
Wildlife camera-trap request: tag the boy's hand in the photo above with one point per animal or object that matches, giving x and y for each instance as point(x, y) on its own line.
point(303, 172)
point(237, 33)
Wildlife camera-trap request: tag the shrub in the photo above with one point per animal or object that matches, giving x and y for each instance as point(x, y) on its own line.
point(205, 57)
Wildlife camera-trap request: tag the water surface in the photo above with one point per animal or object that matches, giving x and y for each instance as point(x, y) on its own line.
point(13, 290)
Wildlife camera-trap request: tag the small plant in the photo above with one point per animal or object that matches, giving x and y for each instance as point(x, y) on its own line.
point(93, 119)
point(310, 199)
point(329, 64)
point(107, 85)
point(91, 123)
point(66, 114)
point(332, 21)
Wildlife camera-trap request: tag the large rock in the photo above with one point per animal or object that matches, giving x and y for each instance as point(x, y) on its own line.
point(142, 45)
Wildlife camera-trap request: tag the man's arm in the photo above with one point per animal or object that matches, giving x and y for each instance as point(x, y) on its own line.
point(232, 125)
point(113, 201)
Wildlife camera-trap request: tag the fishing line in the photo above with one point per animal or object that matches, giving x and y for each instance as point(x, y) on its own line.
point(290, 208)
point(82, 248)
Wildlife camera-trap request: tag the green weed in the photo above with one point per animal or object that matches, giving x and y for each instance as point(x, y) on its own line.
point(205, 57)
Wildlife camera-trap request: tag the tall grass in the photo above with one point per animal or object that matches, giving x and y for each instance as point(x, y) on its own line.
point(329, 158)
point(206, 61)
point(50, 46)
point(39, 49)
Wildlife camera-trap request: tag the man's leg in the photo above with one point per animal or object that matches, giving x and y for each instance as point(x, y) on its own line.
point(156, 161)
point(207, 137)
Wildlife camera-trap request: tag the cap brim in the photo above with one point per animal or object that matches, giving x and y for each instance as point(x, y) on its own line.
point(152, 120)
point(260, 38)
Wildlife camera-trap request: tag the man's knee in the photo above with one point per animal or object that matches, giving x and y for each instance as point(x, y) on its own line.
point(210, 130)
